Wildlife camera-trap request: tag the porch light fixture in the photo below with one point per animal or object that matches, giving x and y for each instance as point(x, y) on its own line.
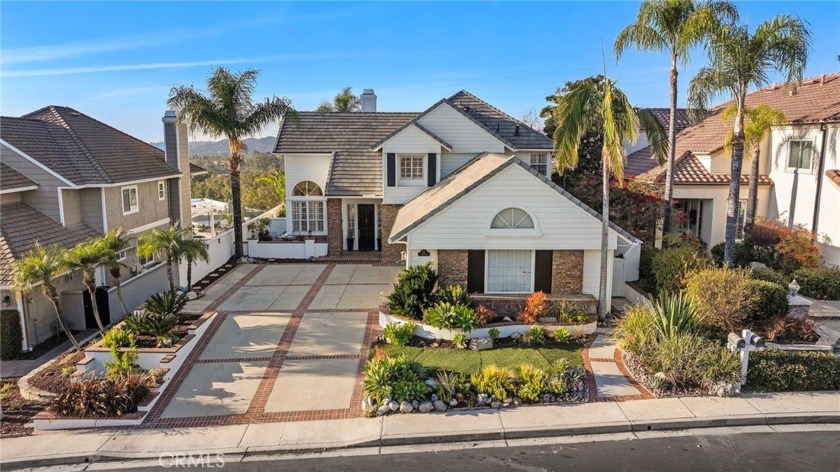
point(793, 288)
point(423, 253)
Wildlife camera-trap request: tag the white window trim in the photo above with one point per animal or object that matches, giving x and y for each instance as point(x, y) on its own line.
point(161, 189)
point(122, 199)
point(419, 182)
point(799, 170)
point(321, 200)
point(547, 164)
point(122, 255)
point(491, 232)
point(487, 271)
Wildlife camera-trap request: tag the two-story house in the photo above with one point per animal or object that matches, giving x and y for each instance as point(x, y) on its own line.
point(461, 185)
point(798, 162)
point(66, 177)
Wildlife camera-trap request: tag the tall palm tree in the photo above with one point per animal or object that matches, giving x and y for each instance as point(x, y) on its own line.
point(595, 103)
point(40, 266)
point(86, 257)
point(758, 122)
point(193, 250)
point(229, 110)
point(739, 60)
point(164, 243)
point(675, 27)
point(343, 102)
point(115, 241)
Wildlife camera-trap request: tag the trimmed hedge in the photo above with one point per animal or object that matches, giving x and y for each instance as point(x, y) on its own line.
point(821, 283)
point(770, 301)
point(770, 275)
point(671, 265)
point(773, 370)
point(11, 335)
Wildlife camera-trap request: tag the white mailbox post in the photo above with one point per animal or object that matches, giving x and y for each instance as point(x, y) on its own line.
point(746, 343)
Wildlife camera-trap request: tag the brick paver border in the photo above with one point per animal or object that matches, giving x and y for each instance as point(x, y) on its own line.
point(644, 393)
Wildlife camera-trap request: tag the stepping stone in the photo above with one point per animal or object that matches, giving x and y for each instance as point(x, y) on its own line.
point(611, 382)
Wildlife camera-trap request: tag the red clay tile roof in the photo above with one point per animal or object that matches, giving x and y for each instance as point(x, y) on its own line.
point(834, 175)
point(664, 117)
point(815, 100)
point(689, 170)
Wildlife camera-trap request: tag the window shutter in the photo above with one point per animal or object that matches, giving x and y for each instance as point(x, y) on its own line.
point(475, 271)
point(391, 166)
point(542, 271)
point(432, 168)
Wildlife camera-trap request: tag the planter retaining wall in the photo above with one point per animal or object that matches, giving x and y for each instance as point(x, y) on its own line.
point(430, 332)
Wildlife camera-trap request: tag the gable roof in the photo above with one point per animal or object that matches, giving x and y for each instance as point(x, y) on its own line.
point(499, 124)
point(461, 182)
point(377, 145)
point(11, 179)
point(815, 100)
point(22, 225)
point(82, 149)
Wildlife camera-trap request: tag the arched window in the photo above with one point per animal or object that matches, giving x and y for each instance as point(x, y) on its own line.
point(512, 218)
point(307, 189)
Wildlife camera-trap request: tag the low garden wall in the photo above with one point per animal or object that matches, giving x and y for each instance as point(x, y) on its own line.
point(286, 249)
point(511, 305)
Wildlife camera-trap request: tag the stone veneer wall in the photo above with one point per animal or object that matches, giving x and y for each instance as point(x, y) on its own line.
point(452, 267)
point(335, 232)
point(567, 271)
point(391, 253)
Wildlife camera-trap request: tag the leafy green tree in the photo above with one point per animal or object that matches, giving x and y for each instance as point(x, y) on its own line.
point(277, 180)
point(675, 27)
point(343, 102)
point(86, 257)
point(115, 241)
point(739, 60)
point(192, 251)
point(164, 243)
point(598, 104)
point(40, 266)
point(229, 110)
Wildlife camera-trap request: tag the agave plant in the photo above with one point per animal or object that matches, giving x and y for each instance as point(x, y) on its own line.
point(675, 314)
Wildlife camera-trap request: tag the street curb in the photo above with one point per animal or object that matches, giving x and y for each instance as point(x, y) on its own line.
point(494, 435)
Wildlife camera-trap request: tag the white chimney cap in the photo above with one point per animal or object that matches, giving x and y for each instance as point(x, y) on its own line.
point(170, 116)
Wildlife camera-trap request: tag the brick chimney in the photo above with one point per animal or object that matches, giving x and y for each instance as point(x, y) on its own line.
point(368, 99)
point(176, 150)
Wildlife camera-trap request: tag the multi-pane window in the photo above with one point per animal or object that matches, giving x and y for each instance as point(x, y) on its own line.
point(799, 154)
point(412, 168)
point(539, 161)
point(307, 189)
point(512, 218)
point(308, 216)
point(509, 271)
point(161, 190)
point(130, 203)
point(351, 221)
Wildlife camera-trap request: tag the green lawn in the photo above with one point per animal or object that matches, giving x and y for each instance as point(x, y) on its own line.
point(466, 361)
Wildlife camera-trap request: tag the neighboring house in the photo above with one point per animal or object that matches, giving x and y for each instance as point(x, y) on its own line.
point(66, 177)
point(461, 185)
point(799, 165)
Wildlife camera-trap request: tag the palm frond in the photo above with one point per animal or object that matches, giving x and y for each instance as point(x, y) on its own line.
point(785, 41)
point(703, 88)
point(574, 115)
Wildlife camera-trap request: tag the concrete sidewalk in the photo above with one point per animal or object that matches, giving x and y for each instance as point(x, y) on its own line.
point(472, 425)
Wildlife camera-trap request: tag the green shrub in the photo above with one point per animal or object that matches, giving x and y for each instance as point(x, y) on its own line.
point(450, 384)
point(689, 362)
point(394, 377)
point(122, 363)
point(460, 340)
point(168, 303)
point(117, 338)
point(636, 329)
point(495, 381)
point(446, 316)
point(770, 301)
point(399, 334)
point(773, 370)
point(646, 255)
point(535, 335)
point(454, 295)
point(723, 297)
point(770, 275)
point(821, 283)
point(670, 267)
point(412, 292)
point(563, 376)
point(717, 252)
point(675, 314)
point(531, 382)
point(11, 336)
point(99, 398)
point(494, 333)
point(159, 325)
point(562, 335)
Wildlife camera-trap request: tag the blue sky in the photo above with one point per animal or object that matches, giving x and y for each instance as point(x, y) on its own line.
point(117, 61)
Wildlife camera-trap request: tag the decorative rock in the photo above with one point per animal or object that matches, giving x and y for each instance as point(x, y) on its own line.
point(394, 406)
point(436, 344)
point(406, 407)
point(546, 398)
point(495, 404)
point(453, 402)
point(382, 410)
point(482, 398)
point(507, 318)
point(426, 407)
point(415, 404)
point(517, 401)
point(508, 400)
point(434, 397)
point(440, 406)
point(481, 344)
point(547, 319)
point(386, 400)
point(431, 383)
point(516, 336)
point(192, 295)
point(757, 265)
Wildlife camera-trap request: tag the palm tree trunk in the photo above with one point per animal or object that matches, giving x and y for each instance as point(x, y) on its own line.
point(752, 198)
point(236, 196)
point(50, 292)
point(603, 296)
point(115, 273)
point(189, 275)
point(734, 185)
point(169, 272)
point(672, 151)
point(91, 288)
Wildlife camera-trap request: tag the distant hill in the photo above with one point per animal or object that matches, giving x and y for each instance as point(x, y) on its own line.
point(220, 148)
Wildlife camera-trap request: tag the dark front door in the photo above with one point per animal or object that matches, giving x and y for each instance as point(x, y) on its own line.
point(367, 228)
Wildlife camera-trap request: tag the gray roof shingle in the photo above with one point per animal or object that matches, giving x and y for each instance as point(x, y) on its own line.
point(81, 149)
point(499, 123)
point(21, 225)
point(11, 179)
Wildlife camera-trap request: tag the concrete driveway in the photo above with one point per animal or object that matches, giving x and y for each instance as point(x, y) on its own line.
point(289, 343)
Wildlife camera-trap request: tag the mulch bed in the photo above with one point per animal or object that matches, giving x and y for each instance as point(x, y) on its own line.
point(179, 331)
point(17, 412)
point(44, 347)
point(57, 375)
